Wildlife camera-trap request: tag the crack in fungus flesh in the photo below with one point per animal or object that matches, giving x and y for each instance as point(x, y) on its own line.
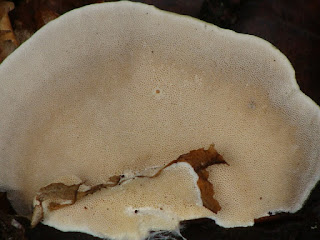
point(60, 195)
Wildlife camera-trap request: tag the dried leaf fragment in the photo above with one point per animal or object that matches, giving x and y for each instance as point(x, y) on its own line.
point(59, 191)
point(44, 15)
point(58, 195)
point(206, 189)
point(200, 159)
point(8, 41)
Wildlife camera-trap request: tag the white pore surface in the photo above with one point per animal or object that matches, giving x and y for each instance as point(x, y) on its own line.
point(123, 86)
point(131, 210)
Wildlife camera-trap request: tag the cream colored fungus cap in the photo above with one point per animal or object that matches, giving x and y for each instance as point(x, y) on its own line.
point(123, 86)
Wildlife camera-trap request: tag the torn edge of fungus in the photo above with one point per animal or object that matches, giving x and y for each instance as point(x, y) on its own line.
point(61, 195)
point(200, 159)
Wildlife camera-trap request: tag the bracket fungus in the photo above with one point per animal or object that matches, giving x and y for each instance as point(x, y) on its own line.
point(122, 87)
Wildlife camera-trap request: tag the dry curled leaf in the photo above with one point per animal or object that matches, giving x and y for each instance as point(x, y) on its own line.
point(8, 41)
point(58, 195)
point(44, 15)
point(206, 189)
point(201, 159)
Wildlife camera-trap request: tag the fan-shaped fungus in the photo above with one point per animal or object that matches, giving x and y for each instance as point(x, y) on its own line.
point(123, 86)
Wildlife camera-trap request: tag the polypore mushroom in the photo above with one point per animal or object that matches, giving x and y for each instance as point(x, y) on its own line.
point(123, 86)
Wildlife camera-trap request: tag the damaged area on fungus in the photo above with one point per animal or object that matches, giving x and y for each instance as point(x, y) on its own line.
point(59, 195)
point(200, 159)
